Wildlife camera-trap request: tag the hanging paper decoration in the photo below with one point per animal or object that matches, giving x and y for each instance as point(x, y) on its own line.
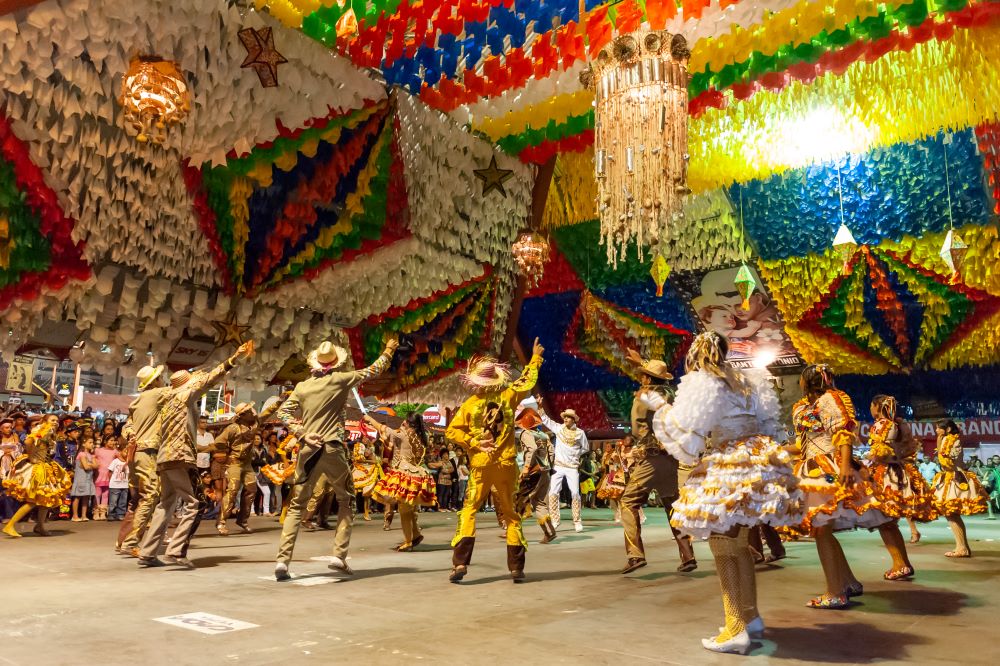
point(604, 333)
point(640, 159)
point(745, 283)
point(309, 198)
point(154, 96)
point(36, 238)
point(436, 335)
point(844, 244)
point(262, 56)
point(531, 252)
point(659, 272)
point(953, 253)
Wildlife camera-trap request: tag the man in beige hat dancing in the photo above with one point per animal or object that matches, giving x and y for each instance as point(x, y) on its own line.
point(142, 434)
point(654, 469)
point(571, 444)
point(236, 442)
point(176, 461)
point(314, 413)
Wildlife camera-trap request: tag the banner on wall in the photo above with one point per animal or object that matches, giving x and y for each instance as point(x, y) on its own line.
point(975, 432)
point(756, 335)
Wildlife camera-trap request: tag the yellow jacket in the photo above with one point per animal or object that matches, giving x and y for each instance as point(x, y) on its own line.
point(468, 426)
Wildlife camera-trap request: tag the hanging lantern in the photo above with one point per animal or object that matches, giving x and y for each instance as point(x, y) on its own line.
point(154, 96)
point(844, 244)
point(640, 83)
point(953, 253)
point(660, 270)
point(745, 283)
point(531, 251)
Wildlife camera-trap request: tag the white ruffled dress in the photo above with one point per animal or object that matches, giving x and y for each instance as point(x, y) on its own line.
point(744, 477)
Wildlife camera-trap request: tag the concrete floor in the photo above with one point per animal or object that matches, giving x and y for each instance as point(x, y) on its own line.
point(70, 600)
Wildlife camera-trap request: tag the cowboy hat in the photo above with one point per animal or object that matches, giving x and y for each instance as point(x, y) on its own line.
point(528, 419)
point(147, 375)
point(179, 378)
point(655, 368)
point(327, 356)
point(486, 372)
point(570, 413)
point(245, 407)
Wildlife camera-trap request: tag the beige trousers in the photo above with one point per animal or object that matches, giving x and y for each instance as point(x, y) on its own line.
point(334, 468)
point(144, 483)
point(175, 486)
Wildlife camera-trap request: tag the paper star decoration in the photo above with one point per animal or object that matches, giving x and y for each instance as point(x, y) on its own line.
point(261, 55)
point(494, 177)
point(229, 331)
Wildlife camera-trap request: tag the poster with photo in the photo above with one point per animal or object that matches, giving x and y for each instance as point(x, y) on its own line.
point(756, 335)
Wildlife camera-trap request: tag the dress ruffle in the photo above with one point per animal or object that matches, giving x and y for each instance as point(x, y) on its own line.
point(43, 483)
point(958, 491)
point(612, 486)
point(828, 502)
point(279, 473)
point(745, 482)
point(365, 477)
point(400, 487)
point(902, 491)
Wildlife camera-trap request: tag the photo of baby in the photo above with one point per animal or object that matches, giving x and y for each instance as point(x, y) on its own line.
point(756, 334)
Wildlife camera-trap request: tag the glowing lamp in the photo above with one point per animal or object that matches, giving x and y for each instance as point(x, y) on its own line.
point(154, 95)
point(531, 251)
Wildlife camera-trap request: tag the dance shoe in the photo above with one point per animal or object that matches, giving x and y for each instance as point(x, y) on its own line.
point(182, 562)
point(827, 602)
point(417, 540)
point(151, 562)
point(517, 576)
point(458, 573)
point(577, 527)
point(904, 573)
point(755, 627)
point(281, 572)
point(687, 566)
point(738, 644)
point(245, 529)
point(633, 564)
point(222, 529)
point(337, 564)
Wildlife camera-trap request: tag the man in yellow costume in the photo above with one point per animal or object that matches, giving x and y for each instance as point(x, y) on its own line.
point(484, 427)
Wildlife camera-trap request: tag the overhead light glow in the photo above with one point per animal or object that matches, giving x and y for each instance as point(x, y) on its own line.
point(822, 134)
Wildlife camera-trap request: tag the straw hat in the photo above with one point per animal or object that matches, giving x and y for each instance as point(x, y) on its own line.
point(179, 379)
point(327, 356)
point(570, 413)
point(486, 372)
point(244, 407)
point(657, 369)
point(148, 374)
point(528, 419)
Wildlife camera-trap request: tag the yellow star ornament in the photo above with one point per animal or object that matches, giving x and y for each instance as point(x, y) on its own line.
point(229, 331)
point(494, 177)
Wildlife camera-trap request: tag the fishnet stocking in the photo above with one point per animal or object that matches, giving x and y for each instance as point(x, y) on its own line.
point(726, 551)
point(748, 578)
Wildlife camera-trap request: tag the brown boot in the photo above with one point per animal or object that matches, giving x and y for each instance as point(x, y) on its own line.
point(515, 562)
point(549, 531)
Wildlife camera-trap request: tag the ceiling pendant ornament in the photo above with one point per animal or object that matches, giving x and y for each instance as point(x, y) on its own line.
point(640, 83)
point(154, 95)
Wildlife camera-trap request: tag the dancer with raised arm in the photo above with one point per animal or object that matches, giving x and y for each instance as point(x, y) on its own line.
point(484, 427)
point(314, 413)
point(570, 445)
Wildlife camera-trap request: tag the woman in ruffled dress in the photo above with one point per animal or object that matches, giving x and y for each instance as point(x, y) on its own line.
point(612, 485)
point(35, 480)
point(408, 484)
point(366, 472)
point(957, 492)
point(902, 491)
point(838, 491)
point(743, 479)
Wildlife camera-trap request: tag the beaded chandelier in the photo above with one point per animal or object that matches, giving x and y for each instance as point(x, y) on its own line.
point(640, 82)
point(154, 96)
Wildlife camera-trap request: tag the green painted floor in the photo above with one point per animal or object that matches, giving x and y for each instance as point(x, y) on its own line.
point(69, 600)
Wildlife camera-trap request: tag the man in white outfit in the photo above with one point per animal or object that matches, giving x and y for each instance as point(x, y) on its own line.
point(571, 443)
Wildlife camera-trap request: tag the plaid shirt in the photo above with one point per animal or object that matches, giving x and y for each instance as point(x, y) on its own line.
point(179, 418)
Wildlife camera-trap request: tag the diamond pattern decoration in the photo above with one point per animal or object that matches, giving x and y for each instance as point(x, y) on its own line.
point(312, 197)
point(880, 308)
